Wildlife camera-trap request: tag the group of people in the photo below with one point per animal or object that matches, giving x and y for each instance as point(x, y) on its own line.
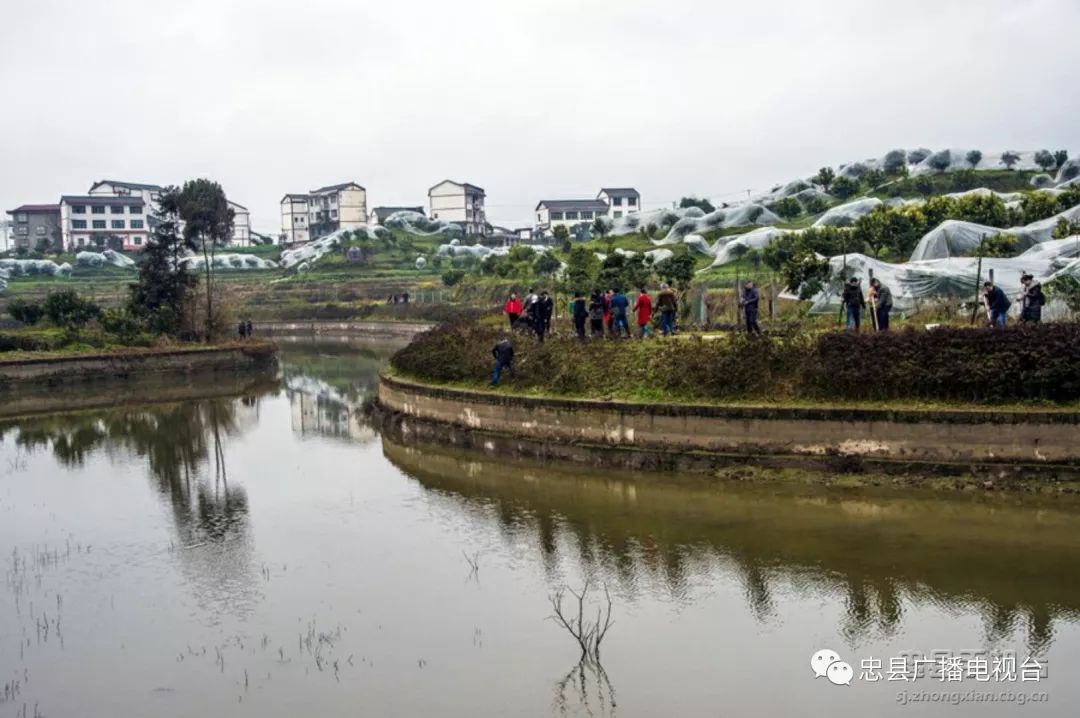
point(245, 328)
point(601, 314)
point(854, 303)
point(997, 305)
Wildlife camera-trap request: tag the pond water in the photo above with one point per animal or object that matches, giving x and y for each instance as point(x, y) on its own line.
point(270, 554)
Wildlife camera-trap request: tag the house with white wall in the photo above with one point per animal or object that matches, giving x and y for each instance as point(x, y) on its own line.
point(621, 201)
point(461, 203)
point(151, 194)
point(552, 213)
point(94, 222)
point(334, 207)
point(294, 219)
point(325, 211)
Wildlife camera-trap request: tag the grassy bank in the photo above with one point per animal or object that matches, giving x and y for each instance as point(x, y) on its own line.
point(1020, 366)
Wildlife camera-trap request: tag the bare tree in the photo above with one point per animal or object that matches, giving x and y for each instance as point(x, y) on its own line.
point(587, 633)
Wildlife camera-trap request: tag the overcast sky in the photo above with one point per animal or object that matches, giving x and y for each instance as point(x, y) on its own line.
point(529, 100)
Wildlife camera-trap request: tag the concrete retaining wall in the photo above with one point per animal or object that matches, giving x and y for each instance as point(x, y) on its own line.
point(913, 437)
point(22, 375)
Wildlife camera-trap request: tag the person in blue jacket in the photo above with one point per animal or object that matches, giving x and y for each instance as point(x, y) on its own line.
point(619, 306)
point(997, 304)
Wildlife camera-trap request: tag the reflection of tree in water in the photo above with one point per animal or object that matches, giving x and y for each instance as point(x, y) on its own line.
point(184, 445)
point(633, 535)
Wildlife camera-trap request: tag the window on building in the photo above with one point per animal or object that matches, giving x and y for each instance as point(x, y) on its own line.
point(539, 217)
point(79, 208)
point(137, 240)
point(99, 209)
point(22, 230)
point(135, 210)
point(40, 230)
point(616, 215)
point(556, 216)
point(117, 209)
point(78, 224)
point(155, 196)
point(571, 215)
point(616, 201)
point(82, 241)
point(22, 217)
point(118, 224)
point(99, 224)
point(586, 215)
point(333, 214)
point(632, 201)
point(136, 224)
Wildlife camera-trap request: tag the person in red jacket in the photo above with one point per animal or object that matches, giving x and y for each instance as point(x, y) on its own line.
point(643, 307)
point(512, 308)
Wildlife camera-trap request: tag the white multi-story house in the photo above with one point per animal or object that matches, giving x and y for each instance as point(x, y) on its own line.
point(460, 203)
point(325, 210)
point(104, 222)
point(294, 219)
point(339, 206)
point(5, 235)
point(241, 225)
point(552, 213)
point(621, 201)
point(151, 193)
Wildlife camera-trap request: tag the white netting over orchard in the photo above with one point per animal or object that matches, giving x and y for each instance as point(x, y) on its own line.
point(109, 257)
point(954, 277)
point(229, 262)
point(34, 267)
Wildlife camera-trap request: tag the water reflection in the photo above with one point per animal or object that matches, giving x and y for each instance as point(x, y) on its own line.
point(327, 380)
point(879, 556)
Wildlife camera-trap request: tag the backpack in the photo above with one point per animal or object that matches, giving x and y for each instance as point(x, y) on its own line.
point(1038, 298)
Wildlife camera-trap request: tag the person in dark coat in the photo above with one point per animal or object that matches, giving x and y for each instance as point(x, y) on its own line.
point(542, 315)
point(854, 302)
point(882, 301)
point(596, 313)
point(750, 299)
point(1032, 300)
point(997, 304)
point(241, 329)
point(503, 351)
point(668, 303)
point(248, 328)
point(581, 314)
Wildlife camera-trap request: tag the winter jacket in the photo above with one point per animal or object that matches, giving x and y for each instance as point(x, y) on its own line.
point(545, 307)
point(619, 304)
point(643, 307)
point(997, 301)
point(580, 309)
point(503, 351)
point(512, 306)
point(883, 297)
point(1033, 296)
point(666, 301)
point(853, 296)
point(751, 298)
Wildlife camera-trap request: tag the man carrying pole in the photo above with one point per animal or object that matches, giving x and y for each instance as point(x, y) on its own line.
point(881, 301)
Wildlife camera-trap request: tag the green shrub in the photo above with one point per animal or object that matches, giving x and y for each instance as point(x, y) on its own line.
point(976, 364)
point(67, 309)
point(28, 313)
point(1023, 362)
